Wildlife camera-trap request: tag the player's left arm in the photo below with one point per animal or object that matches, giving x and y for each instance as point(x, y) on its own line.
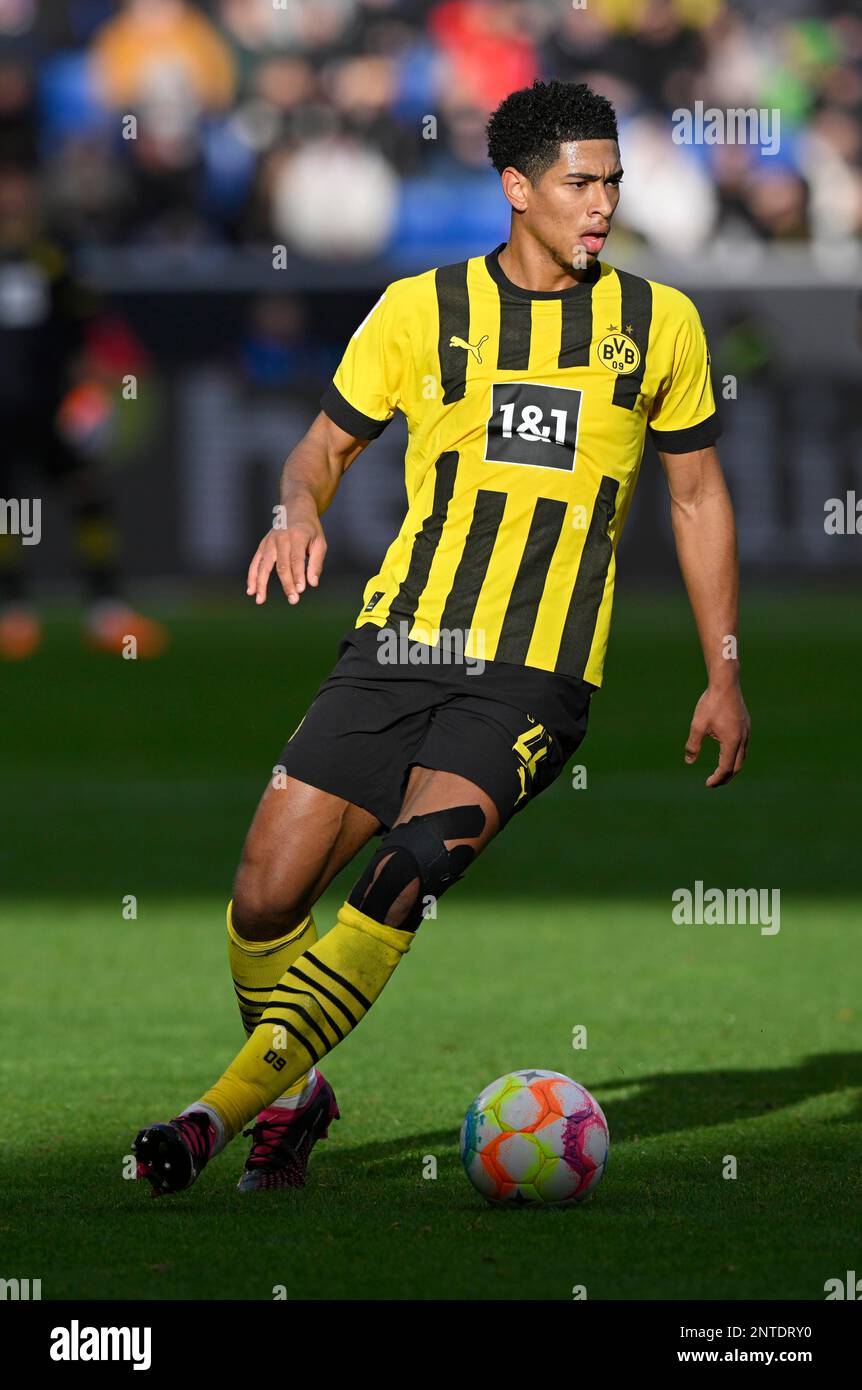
point(684, 427)
point(705, 536)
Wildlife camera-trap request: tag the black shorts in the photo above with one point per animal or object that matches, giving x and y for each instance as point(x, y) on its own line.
point(510, 729)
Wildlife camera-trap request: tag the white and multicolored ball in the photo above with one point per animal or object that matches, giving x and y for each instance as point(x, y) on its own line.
point(534, 1136)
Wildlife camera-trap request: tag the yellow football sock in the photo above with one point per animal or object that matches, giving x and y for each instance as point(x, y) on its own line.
point(257, 966)
point(321, 996)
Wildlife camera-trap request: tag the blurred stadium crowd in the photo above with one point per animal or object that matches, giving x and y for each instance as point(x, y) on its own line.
point(351, 128)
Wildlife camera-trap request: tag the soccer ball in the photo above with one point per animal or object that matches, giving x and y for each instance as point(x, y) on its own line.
point(534, 1136)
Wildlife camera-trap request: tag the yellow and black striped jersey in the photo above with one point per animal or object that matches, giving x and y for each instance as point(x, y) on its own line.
point(527, 413)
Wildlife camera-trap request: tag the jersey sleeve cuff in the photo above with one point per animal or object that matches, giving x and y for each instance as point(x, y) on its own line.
point(347, 417)
point(698, 436)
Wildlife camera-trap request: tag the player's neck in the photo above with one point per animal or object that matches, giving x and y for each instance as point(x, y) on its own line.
point(529, 266)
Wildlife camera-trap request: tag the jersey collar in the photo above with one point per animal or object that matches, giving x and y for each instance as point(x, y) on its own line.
point(498, 275)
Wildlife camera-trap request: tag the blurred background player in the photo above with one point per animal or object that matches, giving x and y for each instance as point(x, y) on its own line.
point(54, 401)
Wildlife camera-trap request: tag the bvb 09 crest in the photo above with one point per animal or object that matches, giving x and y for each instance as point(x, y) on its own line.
point(619, 353)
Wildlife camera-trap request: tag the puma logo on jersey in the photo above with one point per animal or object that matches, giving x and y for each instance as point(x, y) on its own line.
point(475, 348)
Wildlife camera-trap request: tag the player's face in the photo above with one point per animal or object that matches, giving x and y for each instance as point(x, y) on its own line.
point(571, 207)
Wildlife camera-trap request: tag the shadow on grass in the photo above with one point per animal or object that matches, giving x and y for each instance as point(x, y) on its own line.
point(157, 767)
point(676, 1101)
point(666, 1103)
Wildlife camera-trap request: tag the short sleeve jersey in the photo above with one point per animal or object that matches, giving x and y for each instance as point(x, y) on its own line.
point(527, 414)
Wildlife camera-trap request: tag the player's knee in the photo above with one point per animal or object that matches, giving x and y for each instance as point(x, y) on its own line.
point(263, 906)
point(390, 890)
point(413, 866)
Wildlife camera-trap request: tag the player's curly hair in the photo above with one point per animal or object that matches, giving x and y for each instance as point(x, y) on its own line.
point(528, 127)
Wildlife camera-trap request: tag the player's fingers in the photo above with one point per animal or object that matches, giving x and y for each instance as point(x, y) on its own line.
point(251, 577)
point(741, 752)
point(285, 567)
point(316, 557)
point(298, 548)
point(726, 763)
point(264, 570)
point(693, 743)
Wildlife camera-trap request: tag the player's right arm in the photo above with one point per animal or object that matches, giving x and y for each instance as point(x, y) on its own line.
point(296, 546)
point(357, 406)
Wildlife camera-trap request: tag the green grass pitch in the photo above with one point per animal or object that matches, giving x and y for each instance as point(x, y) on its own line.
point(703, 1041)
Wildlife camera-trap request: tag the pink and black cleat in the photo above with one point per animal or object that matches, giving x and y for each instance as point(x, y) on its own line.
point(172, 1156)
point(282, 1140)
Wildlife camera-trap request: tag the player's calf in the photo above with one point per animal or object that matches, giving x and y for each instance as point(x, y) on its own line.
point(329, 988)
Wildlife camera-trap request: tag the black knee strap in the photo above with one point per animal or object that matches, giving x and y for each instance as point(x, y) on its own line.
point(416, 849)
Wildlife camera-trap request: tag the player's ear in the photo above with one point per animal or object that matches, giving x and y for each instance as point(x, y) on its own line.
point(514, 188)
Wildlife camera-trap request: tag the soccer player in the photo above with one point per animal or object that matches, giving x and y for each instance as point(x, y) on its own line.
point(529, 377)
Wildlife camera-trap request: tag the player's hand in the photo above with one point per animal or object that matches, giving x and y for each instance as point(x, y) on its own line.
point(720, 713)
point(287, 550)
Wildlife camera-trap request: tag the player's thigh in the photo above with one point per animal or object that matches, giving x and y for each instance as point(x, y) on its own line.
point(429, 790)
point(299, 839)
